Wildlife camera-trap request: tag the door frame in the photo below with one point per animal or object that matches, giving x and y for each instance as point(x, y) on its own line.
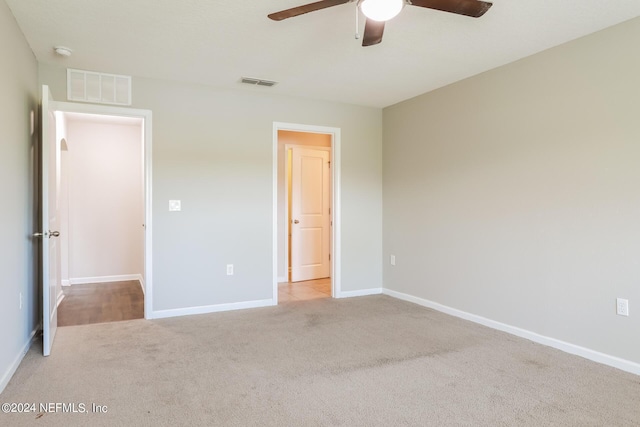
point(146, 115)
point(287, 147)
point(335, 201)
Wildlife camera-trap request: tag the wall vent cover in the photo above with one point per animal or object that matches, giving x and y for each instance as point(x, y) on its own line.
point(258, 82)
point(101, 88)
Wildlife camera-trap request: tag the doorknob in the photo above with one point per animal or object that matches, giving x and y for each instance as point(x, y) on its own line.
point(50, 234)
point(295, 221)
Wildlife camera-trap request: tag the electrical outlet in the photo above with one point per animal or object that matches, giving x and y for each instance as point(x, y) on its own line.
point(622, 307)
point(229, 269)
point(392, 260)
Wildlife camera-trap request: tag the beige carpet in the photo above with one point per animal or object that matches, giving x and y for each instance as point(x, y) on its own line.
point(370, 361)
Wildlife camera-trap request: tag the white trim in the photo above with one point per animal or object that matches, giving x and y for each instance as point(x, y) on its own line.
point(596, 356)
point(60, 298)
point(360, 293)
point(335, 203)
point(161, 314)
point(146, 115)
point(282, 279)
point(105, 279)
point(65, 282)
point(16, 362)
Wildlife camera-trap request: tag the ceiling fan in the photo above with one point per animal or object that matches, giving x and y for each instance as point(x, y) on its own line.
point(378, 12)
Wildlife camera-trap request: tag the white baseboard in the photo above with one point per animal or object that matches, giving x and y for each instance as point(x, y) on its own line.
point(6, 377)
point(104, 279)
point(282, 279)
point(60, 298)
point(65, 282)
point(596, 356)
point(359, 293)
point(161, 314)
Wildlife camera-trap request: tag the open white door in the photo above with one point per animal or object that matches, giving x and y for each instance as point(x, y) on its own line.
point(310, 214)
point(50, 178)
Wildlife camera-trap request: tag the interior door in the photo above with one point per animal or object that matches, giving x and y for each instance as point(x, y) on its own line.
point(310, 214)
point(50, 155)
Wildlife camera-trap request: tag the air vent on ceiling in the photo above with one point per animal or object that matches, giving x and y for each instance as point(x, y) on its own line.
point(102, 88)
point(257, 82)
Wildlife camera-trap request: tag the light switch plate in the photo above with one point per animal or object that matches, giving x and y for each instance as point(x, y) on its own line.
point(174, 206)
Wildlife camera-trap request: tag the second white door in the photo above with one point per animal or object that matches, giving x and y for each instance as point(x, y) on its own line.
point(310, 214)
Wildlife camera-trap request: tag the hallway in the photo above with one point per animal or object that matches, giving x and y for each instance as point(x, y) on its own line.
point(100, 303)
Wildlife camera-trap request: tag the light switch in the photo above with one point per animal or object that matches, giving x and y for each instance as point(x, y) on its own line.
point(174, 206)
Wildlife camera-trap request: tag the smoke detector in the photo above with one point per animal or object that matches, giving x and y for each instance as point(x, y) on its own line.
point(62, 51)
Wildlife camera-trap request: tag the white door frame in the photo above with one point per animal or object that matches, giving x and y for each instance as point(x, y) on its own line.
point(287, 147)
point(335, 201)
point(105, 110)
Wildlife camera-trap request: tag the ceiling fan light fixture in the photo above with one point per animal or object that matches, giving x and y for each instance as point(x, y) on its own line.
point(381, 10)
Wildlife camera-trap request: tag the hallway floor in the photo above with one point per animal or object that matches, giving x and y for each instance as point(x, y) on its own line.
point(302, 291)
point(101, 302)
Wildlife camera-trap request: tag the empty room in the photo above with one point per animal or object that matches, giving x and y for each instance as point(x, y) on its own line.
point(347, 212)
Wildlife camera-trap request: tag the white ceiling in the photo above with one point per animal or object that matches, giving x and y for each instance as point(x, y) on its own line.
point(215, 42)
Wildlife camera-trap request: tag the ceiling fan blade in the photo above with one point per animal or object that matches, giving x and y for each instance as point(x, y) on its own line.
point(473, 8)
point(372, 32)
point(311, 7)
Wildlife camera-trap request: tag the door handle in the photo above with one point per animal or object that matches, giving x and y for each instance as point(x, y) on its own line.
point(295, 221)
point(50, 234)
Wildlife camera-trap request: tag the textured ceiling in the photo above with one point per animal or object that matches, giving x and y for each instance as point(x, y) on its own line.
point(215, 42)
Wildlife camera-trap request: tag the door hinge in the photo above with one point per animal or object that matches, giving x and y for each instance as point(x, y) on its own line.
point(329, 257)
point(329, 163)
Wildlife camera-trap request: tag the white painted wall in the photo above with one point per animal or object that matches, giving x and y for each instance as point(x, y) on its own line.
point(18, 154)
point(294, 138)
point(105, 199)
point(213, 149)
point(514, 195)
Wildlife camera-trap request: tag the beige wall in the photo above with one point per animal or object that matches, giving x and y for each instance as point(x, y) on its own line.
point(514, 195)
point(213, 149)
point(18, 99)
point(290, 138)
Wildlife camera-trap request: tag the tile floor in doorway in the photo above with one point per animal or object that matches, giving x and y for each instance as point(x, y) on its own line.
point(301, 291)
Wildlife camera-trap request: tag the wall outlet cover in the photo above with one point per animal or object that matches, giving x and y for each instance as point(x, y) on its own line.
point(622, 306)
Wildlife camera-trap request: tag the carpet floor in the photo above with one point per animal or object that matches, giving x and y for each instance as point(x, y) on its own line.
point(369, 361)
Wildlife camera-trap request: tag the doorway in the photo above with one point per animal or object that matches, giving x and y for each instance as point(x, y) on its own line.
point(101, 213)
point(50, 147)
point(306, 202)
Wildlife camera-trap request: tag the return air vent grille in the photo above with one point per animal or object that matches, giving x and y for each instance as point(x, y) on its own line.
point(257, 82)
point(101, 88)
